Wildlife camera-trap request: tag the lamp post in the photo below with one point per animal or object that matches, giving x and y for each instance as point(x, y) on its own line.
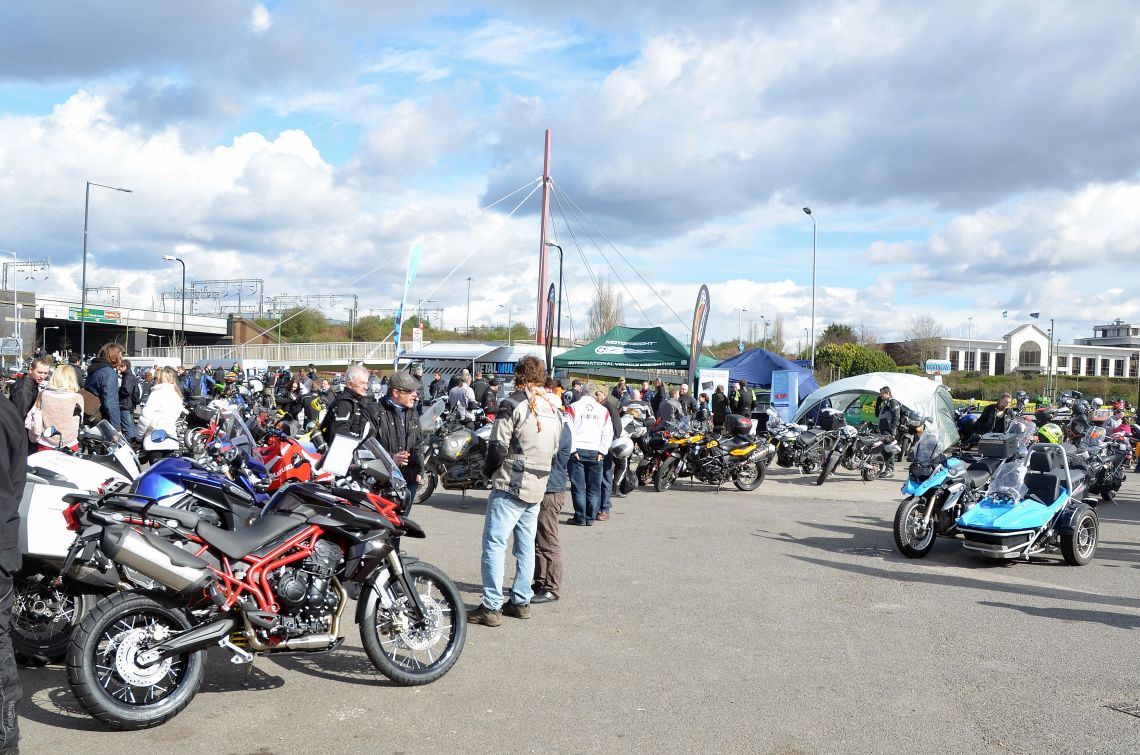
point(807, 210)
point(182, 350)
point(766, 323)
point(83, 278)
point(739, 335)
point(970, 348)
point(510, 311)
point(558, 337)
point(468, 328)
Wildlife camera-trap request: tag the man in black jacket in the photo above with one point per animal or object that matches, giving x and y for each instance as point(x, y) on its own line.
point(995, 418)
point(889, 412)
point(13, 472)
point(27, 388)
point(480, 387)
point(354, 410)
point(77, 365)
point(129, 397)
point(613, 406)
point(398, 430)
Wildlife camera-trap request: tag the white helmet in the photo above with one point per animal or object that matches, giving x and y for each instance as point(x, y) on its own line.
point(622, 447)
point(1097, 403)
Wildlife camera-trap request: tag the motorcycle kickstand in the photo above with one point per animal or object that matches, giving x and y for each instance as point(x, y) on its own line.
point(463, 499)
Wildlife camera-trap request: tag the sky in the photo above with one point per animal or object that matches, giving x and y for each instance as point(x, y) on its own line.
point(961, 159)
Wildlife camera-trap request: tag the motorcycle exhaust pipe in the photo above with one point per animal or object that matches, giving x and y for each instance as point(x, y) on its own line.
point(156, 558)
point(198, 638)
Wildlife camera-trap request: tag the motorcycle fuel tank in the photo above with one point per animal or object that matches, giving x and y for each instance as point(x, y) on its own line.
point(456, 444)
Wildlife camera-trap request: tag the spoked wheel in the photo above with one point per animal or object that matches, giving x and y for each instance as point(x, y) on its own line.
point(44, 615)
point(1079, 544)
point(106, 675)
point(829, 465)
point(426, 488)
point(913, 537)
point(404, 650)
point(750, 475)
point(195, 441)
point(666, 474)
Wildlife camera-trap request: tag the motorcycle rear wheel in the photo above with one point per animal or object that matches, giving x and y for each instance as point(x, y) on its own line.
point(105, 677)
point(44, 615)
point(406, 654)
point(666, 474)
point(908, 522)
point(753, 480)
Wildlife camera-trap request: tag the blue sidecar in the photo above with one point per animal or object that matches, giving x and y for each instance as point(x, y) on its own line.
point(1034, 505)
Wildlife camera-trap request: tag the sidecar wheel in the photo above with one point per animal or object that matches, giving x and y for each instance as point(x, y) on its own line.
point(1078, 544)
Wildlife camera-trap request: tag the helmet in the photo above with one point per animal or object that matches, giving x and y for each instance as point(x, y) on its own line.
point(1081, 407)
point(1097, 403)
point(622, 447)
point(1050, 433)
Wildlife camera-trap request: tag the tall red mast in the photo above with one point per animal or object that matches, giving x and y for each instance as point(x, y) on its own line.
point(540, 319)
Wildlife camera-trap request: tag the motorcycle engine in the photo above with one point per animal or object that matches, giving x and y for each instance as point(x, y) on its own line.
point(305, 593)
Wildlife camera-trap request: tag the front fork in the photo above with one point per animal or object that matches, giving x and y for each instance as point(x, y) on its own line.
point(397, 568)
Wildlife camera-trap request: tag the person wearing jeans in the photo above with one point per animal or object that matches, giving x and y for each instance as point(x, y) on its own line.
point(593, 432)
point(524, 440)
point(585, 485)
point(547, 545)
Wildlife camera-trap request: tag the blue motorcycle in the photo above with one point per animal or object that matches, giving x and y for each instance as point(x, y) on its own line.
point(939, 489)
point(1035, 505)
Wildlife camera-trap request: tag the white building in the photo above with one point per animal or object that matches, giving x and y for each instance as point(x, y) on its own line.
point(1026, 349)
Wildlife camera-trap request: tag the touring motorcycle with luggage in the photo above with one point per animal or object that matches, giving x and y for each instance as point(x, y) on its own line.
point(738, 456)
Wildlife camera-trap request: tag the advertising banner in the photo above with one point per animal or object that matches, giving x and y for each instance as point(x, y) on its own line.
point(709, 378)
point(700, 320)
point(785, 393)
point(550, 329)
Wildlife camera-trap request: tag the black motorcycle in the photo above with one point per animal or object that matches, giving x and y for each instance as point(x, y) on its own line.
point(453, 454)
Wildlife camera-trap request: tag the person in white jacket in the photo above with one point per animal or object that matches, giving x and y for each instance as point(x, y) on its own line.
point(163, 406)
point(593, 432)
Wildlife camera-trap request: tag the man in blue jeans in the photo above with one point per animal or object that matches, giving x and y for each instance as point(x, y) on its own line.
point(523, 442)
point(593, 433)
point(613, 406)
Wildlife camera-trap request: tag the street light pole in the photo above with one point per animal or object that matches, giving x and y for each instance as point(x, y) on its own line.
point(44, 337)
point(813, 230)
point(510, 311)
point(558, 338)
point(182, 350)
point(739, 313)
point(83, 278)
point(970, 349)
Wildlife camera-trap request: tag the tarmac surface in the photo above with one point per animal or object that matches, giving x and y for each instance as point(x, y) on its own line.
point(781, 621)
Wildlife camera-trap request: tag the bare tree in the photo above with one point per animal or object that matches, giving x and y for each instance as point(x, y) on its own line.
point(866, 335)
point(777, 345)
point(922, 339)
point(607, 311)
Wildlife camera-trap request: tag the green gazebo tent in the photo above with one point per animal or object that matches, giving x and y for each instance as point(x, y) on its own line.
point(633, 348)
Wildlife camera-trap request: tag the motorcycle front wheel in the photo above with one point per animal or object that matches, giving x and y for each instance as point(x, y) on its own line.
point(666, 474)
point(426, 488)
point(106, 678)
point(750, 475)
point(912, 537)
point(829, 465)
point(404, 650)
point(44, 615)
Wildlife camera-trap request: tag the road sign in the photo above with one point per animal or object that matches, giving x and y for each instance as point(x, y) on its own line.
point(103, 316)
point(938, 366)
point(11, 346)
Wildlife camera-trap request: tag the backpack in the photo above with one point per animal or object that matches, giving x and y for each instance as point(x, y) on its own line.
point(195, 385)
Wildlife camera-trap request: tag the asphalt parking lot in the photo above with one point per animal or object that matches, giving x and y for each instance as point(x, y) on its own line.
point(776, 621)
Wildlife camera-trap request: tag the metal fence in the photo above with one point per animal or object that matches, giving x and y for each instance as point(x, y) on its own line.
point(287, 353)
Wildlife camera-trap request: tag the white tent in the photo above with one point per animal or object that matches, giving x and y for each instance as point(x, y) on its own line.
point(916, 393)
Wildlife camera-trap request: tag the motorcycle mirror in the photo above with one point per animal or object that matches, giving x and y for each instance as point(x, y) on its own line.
point(52, 432)
point(158, 436)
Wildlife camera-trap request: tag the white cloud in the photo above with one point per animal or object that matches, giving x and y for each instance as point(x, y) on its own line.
point(259, 19)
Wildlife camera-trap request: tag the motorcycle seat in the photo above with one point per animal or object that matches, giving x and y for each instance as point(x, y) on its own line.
point(735, 442)
point(978, 476)
point(241, 543)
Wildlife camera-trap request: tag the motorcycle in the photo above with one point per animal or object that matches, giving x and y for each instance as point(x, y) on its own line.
point(281, 585)
point(739, 457)
point(797, 445)
point(453, 456)
point(1035, 504)
point(938, 489)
